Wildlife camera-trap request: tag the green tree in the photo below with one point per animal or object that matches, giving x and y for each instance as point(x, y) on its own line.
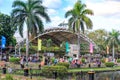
point(79, 19)
point(7, 29)
point(62, 45)
point(113, 40)
point(47, 43)
point(99, 36)
point(29, 12)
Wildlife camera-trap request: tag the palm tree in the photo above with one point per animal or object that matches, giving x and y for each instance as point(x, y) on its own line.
point(113, 41)
point(78, 19)
point(29, 12)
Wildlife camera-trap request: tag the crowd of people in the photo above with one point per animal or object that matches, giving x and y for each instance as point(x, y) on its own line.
point(73, 61)
point(23, 60)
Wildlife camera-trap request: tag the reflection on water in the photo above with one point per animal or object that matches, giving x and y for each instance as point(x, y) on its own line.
point(108, 75)
point(115, 75)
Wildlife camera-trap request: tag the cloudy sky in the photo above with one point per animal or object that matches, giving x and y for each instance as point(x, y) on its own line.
point(106, 12)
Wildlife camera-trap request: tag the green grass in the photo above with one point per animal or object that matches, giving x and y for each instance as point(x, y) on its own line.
point(34, 71)
point(94, 69)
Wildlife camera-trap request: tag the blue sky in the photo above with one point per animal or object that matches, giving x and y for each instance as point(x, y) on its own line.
point(106, 12)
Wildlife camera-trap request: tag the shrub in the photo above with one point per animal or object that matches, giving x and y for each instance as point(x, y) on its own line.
point(48, 71)
point(109, 64)
point(8, 77)
point(83, 60)
point(52, 59)
point(103, 60)
point(66, 64)
point(118, 60)
point(14, 60)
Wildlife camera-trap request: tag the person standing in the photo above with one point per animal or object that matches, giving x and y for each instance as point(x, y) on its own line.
point(22, 62)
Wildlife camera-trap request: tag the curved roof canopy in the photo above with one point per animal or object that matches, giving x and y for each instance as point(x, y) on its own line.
point(58, 35)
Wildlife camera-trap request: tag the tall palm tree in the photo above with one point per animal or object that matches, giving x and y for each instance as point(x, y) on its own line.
point(113, 41)
point(29, 12)
point(79, 19)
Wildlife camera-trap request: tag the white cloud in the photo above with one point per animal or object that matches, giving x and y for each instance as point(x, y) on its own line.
point(105, 23)
point(52, 11)
point(52, 3)
point(56, 20)
point(68, 8)
point(106, 14)
point(105, 8)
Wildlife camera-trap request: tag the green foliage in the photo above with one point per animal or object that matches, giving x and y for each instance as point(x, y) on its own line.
point(76, 22)
point(33, 10)
point(23, 49)
point(7, 29)
point(52, 59)
point(32, 49)
point(83, 60)
point(44, 49)
point(48, 71)
point(78, 19)
point(14, 60)
point(8, 77)
point(40, 78)
point(113, 39)
point(51, 49)
point(84, 46)
point(103, 60)
point(109, 64)
point(118, 60)
point(66, 64)
point(47, 42)
point(98, 36)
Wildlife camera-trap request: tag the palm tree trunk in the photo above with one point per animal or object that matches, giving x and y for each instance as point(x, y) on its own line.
point(27, 48)
point(78, 45)
point(113, 53)
point(27, 43)
point(19, 51)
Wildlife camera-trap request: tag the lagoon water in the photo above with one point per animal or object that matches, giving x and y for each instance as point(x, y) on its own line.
point(114, 75)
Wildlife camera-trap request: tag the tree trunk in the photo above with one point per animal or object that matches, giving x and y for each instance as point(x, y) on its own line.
point(20, 51)
point(27, 48)
point(113, 53)
point(78, 45)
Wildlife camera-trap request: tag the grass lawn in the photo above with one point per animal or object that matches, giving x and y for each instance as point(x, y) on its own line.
point(94, 69)
point(20, 77)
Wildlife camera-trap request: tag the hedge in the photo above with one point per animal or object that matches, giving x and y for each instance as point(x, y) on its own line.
point(118, 60)
point(14, 60)
point(48, 71)
point(109, 64)
point(66, 64)
point(83, 60)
